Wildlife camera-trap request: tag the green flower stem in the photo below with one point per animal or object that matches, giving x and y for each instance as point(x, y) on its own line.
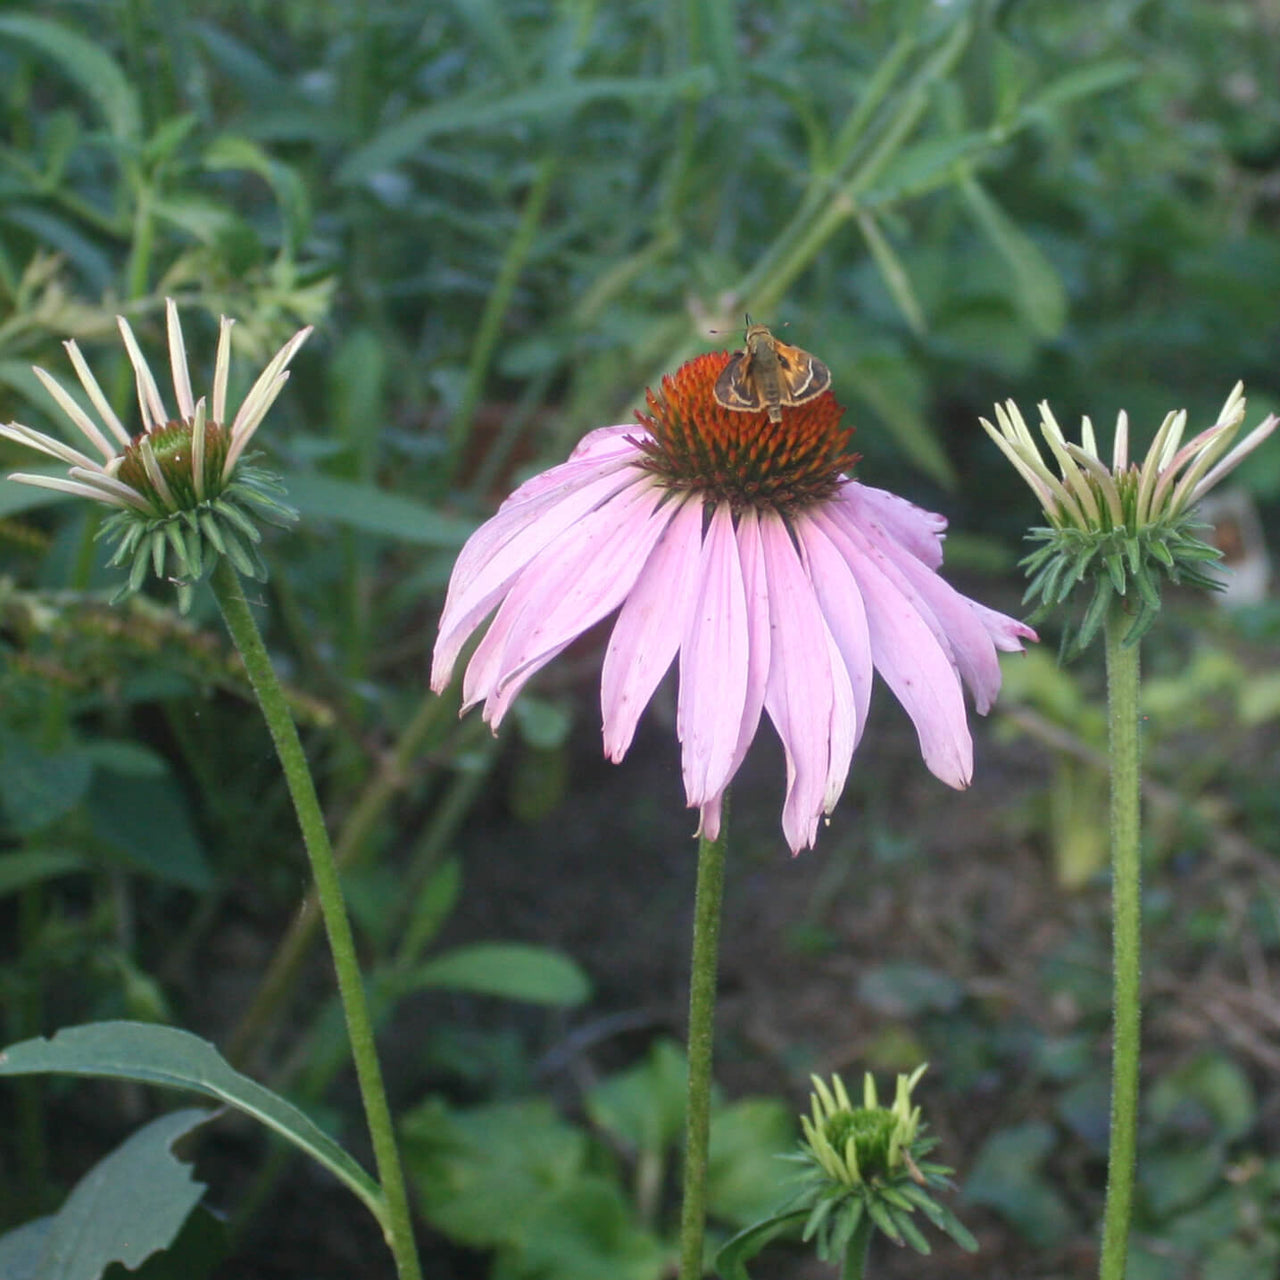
point(702, 1014)
point(275, 710)
point(854, 1265)
point(1126, 906)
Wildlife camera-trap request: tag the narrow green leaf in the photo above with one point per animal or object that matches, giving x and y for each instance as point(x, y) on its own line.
point(893, 272)
point(372, 510)
point(1038, 288)
point(545, 102)
point(176, 1059)
point(85, 62)
point(507, 969)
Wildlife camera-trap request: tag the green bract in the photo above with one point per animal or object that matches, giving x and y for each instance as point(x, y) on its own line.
point(1126, 527)
point(866, 1164)
point(182, 490)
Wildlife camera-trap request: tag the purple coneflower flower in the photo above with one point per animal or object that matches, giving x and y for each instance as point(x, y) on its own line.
point(742, 546)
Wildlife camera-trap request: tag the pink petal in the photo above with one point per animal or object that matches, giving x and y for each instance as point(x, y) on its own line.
point(846, 616)
point(605, 444)
point(799, 696)
point(911, 527)
point(582, 576)
point(650, 626)
point(713, 665)
point(954, 617)
point(759, 652)
point(501, 548)
point(913, 663)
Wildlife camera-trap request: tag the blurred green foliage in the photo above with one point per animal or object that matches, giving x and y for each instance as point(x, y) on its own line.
point(507, 219)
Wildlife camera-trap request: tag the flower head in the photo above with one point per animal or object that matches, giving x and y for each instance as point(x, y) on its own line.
point(743, 547)
point(1128, 525)
point(180, 487)
point(867, 1163)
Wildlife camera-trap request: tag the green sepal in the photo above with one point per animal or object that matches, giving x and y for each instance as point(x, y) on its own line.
point(883, 1219)
point(911, 1233)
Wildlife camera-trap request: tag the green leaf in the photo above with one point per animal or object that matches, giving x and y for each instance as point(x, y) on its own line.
point(1006, 1177)
point(176, 1059)
point(1081, 82)
point(145, 820)
point(131, 1204)
point(745, 1178)
point(736, 1253)
point(643, 1107)
point(480, 1173)
point(584, 1232)
point(36, 787)
point(1210, 1089)
point(546, 102)
point(904, 989)
point(372, 510)
point(1039, 290)
point(511, 970)
point(84, 61)
point(30, 866)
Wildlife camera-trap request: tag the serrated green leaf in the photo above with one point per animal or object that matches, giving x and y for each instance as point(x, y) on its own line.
point(130, 1205)
point(176, 1059)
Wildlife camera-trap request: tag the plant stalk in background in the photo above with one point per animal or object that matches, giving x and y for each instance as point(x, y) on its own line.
point(186, 503)
point(1119, 531)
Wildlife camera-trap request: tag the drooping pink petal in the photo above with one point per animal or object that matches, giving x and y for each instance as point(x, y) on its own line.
point(957, 629)
point(577, 580)
point(650, 627)
point(759, 651)
point(800, 695)
point(846, 616)
point(500, 550)
point(713, 665)
point(917, 530)
point(959, 625)
point(914, 665)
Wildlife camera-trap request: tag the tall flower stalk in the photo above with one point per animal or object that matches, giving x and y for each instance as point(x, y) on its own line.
point(186, 502)
point(744, 547)
point(1117, 532)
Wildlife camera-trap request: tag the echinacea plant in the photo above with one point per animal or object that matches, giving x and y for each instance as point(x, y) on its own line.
point(1119, 531)
point(863, 1170)
point(185, 501)
point(744, 546)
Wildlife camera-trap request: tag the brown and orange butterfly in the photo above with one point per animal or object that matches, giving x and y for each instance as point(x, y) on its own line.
point(766, 374)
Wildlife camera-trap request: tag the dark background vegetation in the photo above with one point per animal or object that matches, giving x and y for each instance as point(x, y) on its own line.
point(505, 220)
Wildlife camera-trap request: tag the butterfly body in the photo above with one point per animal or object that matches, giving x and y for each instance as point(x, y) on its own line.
point(767, 374)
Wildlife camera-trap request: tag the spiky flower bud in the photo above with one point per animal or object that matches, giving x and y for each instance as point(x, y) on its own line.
point(181, 488)
point(865, 1167)
point(1125, 528)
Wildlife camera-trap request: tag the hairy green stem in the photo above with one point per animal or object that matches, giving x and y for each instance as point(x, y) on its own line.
point(396, 1224)
point(702, 1014)
point(854, 1264)
point(1126, 906)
